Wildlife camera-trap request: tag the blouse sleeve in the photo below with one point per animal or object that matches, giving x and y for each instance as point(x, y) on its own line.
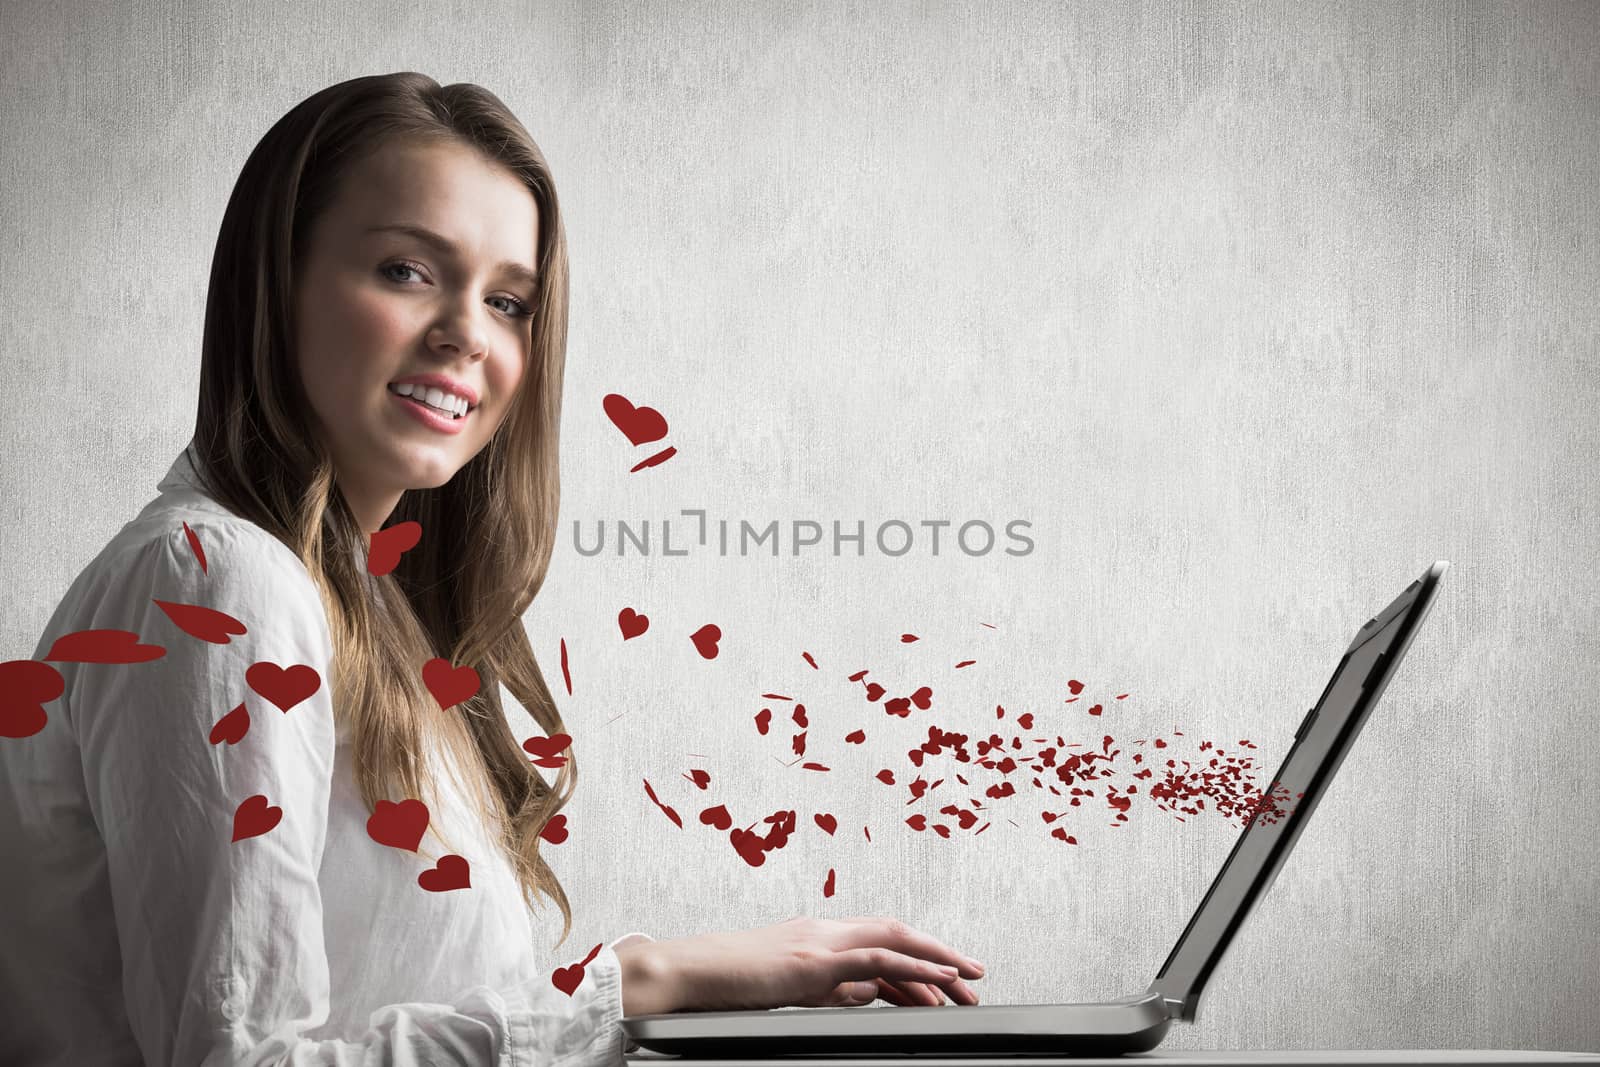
point(223, 959)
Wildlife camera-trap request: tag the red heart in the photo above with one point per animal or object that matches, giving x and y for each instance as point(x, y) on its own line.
point(705, 640)
point(547, 747)
point(855, 737)
point(1075, 686)
point(555, 831)
point(398, 825)
point(387, 546)
point(26, 685)
point(922, 698)
point(449, 685)
point(194, 546)
point(568, 979)
point(717, 816)
point(231, 726)
point(207, 624)
point(631, 623)
point(919, 821)
point(827, 822)
point(283, 687)
point(255, 817)
point(451, 872)
point(103, 646)
point(640, 425)
point(874, 691)
point(827, 887)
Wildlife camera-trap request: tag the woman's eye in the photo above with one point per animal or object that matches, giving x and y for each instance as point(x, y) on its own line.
point(412, 267)
point(518, 308)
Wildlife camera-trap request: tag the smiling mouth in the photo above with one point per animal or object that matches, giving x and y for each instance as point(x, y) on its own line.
point(443, 413)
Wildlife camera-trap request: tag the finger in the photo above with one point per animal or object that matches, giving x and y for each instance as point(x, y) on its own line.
point(908, 994)
point(893, 994)
point(892, 933)
point(858, 964)
point(959, 992)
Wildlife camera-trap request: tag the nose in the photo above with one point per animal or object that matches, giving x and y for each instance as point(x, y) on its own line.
point(460, 331)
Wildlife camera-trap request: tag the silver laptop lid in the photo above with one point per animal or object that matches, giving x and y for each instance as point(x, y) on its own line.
point(1320, 745)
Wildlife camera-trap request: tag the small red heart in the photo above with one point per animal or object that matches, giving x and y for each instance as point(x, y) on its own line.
point(451, 872)
point(555, 831)
point(194, 546)
point(705, 640)
point(387, 546)
point(449, 685)
point(255, 817)
point(919, 821)
point(699, 777)
point(763, 717)
point(631, 623)
point(874, 691)
point(284, 687)
point(640, 425)
point(207, 624)
point(398, 825)
point(231, 727)
point(717, 817)
point(855, 737)
point(26, 685)
point(827, 887)
point(827, 822)
point(568, 979)
point(1075, 686)
point(922, 698)
point(547, 747)
point(103, 646)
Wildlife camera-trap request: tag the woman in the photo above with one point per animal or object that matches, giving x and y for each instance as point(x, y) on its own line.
point(204, 855)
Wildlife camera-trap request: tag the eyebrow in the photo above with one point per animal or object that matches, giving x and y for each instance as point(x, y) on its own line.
point(443, 243)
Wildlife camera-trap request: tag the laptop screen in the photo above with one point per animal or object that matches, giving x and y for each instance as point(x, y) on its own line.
point(1320, 745)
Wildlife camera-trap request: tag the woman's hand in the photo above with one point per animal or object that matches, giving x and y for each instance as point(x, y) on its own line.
point(804, 962)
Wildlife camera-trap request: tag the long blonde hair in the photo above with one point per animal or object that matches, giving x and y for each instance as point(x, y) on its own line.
point(487, 533)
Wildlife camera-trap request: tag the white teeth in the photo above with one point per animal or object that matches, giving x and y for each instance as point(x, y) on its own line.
point(434, 398)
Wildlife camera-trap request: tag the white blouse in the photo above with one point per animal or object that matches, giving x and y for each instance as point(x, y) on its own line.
point(138, 931)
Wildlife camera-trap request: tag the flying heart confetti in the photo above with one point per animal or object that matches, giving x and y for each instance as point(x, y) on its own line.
point(386, 546)
point(547, 750)
point(26, 686)
point(231, 727)
point(449, 685)
point(1224, 785)
point(207, 624)
point(102, 646)
point(399, 824)
point(451, 872)
point(194, 546)
point(568, 979)
point(254, 817)
point(705, 640)
point(632, 623)
point(555, 831)
point(640, 425)
point(283, 686)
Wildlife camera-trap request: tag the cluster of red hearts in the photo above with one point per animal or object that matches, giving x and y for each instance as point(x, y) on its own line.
point(26, 686)
point(1079, 770)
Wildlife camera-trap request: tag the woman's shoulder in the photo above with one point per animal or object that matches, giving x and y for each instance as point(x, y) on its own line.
point(185, 546)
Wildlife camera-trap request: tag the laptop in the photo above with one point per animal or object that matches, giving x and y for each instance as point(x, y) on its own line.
point(1134, 1023)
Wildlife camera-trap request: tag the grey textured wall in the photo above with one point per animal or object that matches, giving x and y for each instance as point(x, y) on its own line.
point(1253, 312)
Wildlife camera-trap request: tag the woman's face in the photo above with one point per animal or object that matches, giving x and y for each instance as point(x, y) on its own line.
point(374, 305)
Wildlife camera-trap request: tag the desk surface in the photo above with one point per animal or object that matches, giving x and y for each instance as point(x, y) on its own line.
point(1177, 1057)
